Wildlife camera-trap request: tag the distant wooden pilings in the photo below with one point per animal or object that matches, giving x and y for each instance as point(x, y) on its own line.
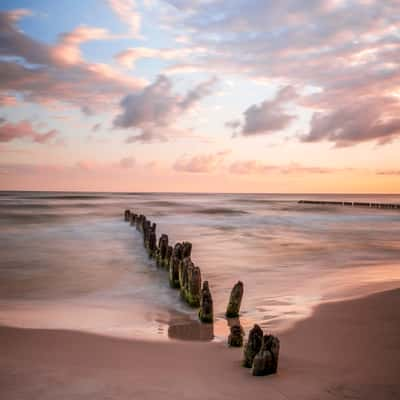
point(352, 204)
point(261, 351)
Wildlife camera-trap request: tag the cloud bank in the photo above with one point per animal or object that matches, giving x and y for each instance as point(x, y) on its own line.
point(24, 130)
point(344, 52)
point(156, 108)
point(45, 73)
point(267, 117)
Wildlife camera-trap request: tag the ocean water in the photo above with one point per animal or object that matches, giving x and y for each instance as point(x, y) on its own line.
point(69, 261)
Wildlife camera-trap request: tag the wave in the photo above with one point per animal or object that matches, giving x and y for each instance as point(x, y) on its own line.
point(29, 218)
point(45, 206)
point(165, 203)
point(64, 197)
point(261, 201)
point(220, 211)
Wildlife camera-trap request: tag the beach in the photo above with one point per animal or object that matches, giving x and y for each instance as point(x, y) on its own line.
point(345, 350)
point(85, 313)
point(199, 200)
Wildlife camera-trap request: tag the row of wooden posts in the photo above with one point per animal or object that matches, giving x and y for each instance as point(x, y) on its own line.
point(351, 204)
point(261, 351)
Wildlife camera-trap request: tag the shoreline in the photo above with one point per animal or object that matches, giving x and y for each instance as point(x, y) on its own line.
point(347, 348)
point(175, 325)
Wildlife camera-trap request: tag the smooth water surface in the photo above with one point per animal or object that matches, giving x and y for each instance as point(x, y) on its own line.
point(69, 261)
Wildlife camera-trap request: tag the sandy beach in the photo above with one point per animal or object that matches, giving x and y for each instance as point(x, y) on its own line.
point(345, 350)
point(189, 187)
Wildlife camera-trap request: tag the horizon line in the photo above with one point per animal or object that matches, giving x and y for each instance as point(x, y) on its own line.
point(205, 192)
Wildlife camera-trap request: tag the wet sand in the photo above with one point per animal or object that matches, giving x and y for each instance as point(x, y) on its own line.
point(346, 350)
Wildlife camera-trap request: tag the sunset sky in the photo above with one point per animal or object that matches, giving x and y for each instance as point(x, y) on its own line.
point(200, 95)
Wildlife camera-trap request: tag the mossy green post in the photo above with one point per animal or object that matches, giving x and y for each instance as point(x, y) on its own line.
point(193, 294)
point(266, 360)
point(206, 313)
point(252, 346)
point(174, 266)
point(235, 339)
point(161, 257)
point(235, 301)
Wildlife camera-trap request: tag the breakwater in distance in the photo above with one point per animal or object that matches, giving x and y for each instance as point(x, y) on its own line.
point(352, 204)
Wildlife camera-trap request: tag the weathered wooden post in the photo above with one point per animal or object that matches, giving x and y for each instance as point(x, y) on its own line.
point(168, 257)
point(133, 218)
point(206, 304)
point(174, 266)
point(139, 222)
point(162, 250)
point(146, 232)
point(193, 294)
point(190, 282)
point(235, 300)
point(187, 249)
point(127, 214)
point(183, 271)
point(266, 360)
point(252, 346)
point(235, 339)
point(152, 244)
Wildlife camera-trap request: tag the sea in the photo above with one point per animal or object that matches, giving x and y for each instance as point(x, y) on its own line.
point(69, 261)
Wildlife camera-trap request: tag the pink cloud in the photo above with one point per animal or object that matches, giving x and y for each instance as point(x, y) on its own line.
point(85, 165)
point(7, 100)
point(204, 163)
point(156, 108)
point(128, 57)
point(254, 167)
point(267, 117)
point(24, 130)
point(346, 50)
point(127, 162)
point(369, 119)
point(67, 49)
point(60, 73)
point(126, 11)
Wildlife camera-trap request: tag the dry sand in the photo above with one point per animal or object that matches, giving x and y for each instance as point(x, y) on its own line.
point(346, 350)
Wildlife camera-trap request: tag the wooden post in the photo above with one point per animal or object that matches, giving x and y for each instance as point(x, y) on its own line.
point(206, 313)
point(162, 251)
point(193, 294)
point(174, 266)
point(235, 339)
point(235, 301)
point(252, 346)
point(133, 218)
point(266, 361)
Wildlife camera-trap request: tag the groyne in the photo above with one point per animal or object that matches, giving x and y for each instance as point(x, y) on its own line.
point(186, 277)
point(352, 204)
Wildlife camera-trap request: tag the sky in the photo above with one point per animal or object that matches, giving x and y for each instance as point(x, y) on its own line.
point(230, 96)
